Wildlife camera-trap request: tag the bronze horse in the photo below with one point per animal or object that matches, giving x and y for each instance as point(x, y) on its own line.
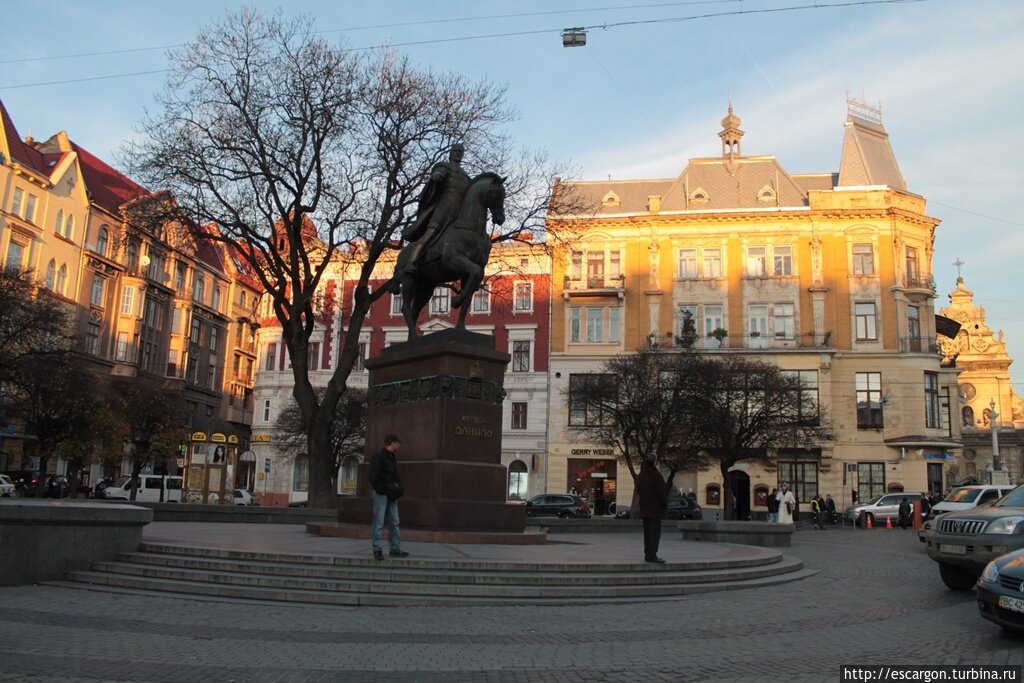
point(459, 252)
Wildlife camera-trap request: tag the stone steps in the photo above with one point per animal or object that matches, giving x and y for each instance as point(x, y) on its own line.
point(326, 580)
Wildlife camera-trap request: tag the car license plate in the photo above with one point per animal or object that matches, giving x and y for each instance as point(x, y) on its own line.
point(952, 549)
point(1012, 604)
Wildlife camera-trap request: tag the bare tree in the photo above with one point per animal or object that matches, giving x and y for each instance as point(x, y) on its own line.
point(348, 430)
point(694, 410)
point(297, 154)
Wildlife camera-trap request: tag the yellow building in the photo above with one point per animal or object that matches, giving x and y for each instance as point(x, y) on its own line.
point(825, 274)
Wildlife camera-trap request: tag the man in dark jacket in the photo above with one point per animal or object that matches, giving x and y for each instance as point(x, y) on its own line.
point(650, 488)
point(387, 489)
point(904, 513)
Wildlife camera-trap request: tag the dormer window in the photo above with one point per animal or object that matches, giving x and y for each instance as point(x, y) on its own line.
point(699, 196)
point(611, 199)
point(766, 194)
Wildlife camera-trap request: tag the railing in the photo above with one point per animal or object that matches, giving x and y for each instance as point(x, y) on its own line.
point(747, 341)
point(246, 346)
point(596, 282)
point(240, 378)
point(919, 282)
point(918, 344)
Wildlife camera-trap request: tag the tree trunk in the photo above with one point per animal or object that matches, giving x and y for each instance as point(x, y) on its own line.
point(136, 471)
point(40, 489)
point(321, 489)
point(727, 498)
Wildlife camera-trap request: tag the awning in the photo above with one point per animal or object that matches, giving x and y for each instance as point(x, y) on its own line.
point(922, 441)
point(947, 327)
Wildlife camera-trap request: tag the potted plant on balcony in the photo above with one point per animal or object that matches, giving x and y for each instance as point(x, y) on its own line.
point(719, 333)
point(688, 334)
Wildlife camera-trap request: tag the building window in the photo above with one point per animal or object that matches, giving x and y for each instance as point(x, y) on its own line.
point(153, 314)
point(270, 359)
point(266, 410)
point(595, 325)
point(931, 400)
point(300, 473)
point(785, 321)
point(69, 227)
point(15, 256)
point(133, 256)
point(863, 260)
point(196, 331)
point(30, 208)
point(614, 325)
point(314, 356)
point(713, 262)
point(914, 325)
point(214, 339)
point(176, 321)
point(595, 269)
point(945, 417)
point(757, 320)
point(92, 338)
point(591, 398)
point(757, 262)
point(179, 277)
point(192, 373)
point(614, 264)
point(520, 356)
point(574, 324)
point(524, 297)
point(58, 226)
point(519, 415)
point(807, 406)
point(577, 265)
point(865, 321)
point(19, 198)
point(440, 303)
point(802, 477)
point(481, 301)
point(128, 301)
point(51, 273)
point(360, 365)
point(714, 318)
point(172, 362)
point(517, 480)
point(396, 304)
point(783, 260)
point(211, 376)
point(870, 480)
point(62, 278)
point(198, 289)
point(869, 400)
point(912, 270)
point(121, 351)
point(687, 264)
point(98, 285)
point(101, 241)
point(216, 298)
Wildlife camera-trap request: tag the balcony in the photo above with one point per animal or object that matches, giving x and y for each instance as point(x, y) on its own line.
point(595, 284)
point(918, 344)
point(240, 378)
point(923, 283)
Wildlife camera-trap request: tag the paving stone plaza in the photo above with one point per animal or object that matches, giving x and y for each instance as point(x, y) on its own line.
point(876, 599)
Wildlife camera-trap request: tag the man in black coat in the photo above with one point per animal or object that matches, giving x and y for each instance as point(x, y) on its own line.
point(650, 489)
point(387, 489)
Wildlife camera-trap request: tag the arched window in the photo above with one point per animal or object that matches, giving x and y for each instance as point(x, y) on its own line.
point(518, 474)
point(300, 473)
point(59, 227)
point(198, 289)
point(968, 416)
point(101, 241)
point(216, 298)
point(51, 273)
point(133, 257)
point(241, 299)
point(348, 476)
point(699, 196)
point(62, 278)
point(69, 227)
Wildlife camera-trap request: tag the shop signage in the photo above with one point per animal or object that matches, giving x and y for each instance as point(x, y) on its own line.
point(946, 456)
point(198, 436)
point(260, 438)
point(591, 470)
point(232, 439)
point(598, 475)
point(592, 451)
point(217, 437)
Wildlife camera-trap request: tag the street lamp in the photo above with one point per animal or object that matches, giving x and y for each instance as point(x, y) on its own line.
point(997, 463)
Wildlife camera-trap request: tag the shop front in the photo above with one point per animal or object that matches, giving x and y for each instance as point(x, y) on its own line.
point(212, 464)
point(596, 480)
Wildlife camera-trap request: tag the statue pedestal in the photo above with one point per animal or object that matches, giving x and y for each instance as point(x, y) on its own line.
point(442, 395)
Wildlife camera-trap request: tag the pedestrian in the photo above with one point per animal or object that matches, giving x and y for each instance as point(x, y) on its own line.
point(830, 509)
point(387, 489)
point(773, 507)
point(926, 506)
point(904, 513)
point(650, 489)
point(787, 504)
point(816, 512)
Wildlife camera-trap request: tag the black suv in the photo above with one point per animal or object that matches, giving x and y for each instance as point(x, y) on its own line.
point(683, 508)
point(564, 505)
point(964, 542)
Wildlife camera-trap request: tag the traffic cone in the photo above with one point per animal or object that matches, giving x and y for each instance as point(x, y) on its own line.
point(888, 521)
point(869, 524)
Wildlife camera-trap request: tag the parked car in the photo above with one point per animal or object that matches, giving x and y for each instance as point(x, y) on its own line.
point(562, 505)
point(968, 497)
point(683, 508)
point(244, 497)
point(25, 482)
point(57, 486)
point(879, 508)
point(7, 488)
point(963, 543)
point(1000, 591)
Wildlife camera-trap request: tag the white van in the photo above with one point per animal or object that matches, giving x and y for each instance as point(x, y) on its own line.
point(968, 497)
point(153, 488)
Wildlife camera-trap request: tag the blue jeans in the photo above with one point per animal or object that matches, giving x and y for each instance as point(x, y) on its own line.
point(382, 505)
point(773, 517)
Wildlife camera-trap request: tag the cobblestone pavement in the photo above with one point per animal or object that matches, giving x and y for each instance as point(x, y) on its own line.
point(877, 600)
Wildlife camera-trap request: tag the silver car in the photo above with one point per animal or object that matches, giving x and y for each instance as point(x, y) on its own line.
point(879, 508)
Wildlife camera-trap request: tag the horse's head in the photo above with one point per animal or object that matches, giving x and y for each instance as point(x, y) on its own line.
point(496, 199)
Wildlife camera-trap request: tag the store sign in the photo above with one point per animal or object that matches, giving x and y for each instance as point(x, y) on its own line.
point(946, 456)
point(219, 438)
point(259, 438)
point(198, 436)
point(233, 439)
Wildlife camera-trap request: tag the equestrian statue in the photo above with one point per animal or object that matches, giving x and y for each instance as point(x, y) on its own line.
point(448, 239)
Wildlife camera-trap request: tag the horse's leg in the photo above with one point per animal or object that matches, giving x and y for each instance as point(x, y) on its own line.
point(463, 310)
point(409, 310)
point(421, 296)
point(473, 276)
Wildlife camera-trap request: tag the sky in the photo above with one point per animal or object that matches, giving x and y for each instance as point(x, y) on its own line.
point(646, 93)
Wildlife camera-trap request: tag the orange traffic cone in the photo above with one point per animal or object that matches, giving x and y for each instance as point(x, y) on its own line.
point(888, 521)
point(869, 524)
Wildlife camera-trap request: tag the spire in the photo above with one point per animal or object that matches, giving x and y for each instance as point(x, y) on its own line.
point(867, 156)
point(731, 133)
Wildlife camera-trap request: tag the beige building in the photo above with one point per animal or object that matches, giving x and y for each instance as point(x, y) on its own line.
point(980, 354)
point(827, 275)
